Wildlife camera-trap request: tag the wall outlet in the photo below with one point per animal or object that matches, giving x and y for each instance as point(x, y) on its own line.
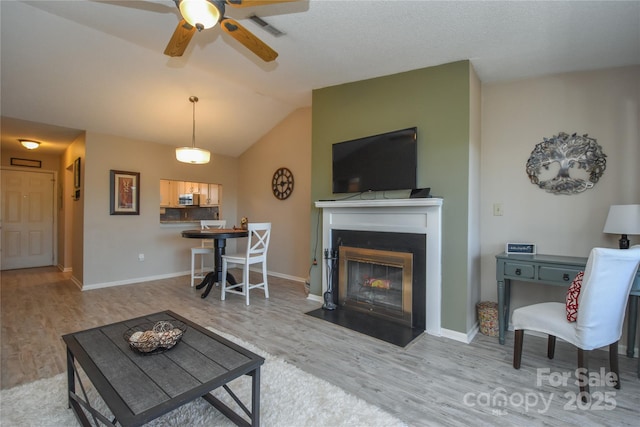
point(497, 209)
point(140, 257)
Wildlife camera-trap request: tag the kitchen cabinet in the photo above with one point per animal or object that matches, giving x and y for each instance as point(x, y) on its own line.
point(170, 191)
point(209, 194)
point(188, 187)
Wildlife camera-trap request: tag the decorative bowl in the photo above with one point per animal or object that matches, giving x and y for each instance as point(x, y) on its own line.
point(155, 337)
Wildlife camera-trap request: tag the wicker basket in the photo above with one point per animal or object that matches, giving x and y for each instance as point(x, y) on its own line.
point(488, 318)
point(155, 337)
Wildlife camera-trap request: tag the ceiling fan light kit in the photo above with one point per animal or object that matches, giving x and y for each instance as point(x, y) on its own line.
point(193, 155)
point(201, 14)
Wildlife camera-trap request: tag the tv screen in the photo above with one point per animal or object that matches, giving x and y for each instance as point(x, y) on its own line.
point(376, 163)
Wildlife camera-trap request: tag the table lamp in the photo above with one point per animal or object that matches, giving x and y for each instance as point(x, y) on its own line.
point(623, 219)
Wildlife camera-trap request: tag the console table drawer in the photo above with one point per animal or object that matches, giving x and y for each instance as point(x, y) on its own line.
point(557, 274)
point(514, 269)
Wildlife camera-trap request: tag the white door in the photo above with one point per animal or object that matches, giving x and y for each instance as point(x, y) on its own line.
point(27, 219)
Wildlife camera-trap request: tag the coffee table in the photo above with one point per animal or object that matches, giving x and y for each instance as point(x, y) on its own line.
point(138, 388)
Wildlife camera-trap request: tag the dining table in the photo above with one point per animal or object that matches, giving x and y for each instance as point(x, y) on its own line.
point(219, 237)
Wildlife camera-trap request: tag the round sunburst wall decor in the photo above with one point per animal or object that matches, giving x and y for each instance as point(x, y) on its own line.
point(566, 164)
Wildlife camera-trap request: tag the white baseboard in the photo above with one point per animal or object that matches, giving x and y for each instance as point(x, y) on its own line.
point(280, 275)
point(64, 269)
point(76, 282)
point(135, 280)
point(460, 336)
point(316, 298)
point(169, 276)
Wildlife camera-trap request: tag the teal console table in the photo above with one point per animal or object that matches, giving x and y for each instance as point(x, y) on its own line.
point(552, 270)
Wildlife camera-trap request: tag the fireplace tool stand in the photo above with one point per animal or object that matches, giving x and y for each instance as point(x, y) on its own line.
point(330, 258)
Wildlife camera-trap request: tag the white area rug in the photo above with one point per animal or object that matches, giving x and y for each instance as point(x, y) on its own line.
point(289, 397)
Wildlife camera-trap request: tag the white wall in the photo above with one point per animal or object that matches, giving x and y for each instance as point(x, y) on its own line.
point(288, 145)
point(107, 246)
point(112, 242)
point(70, 239)
point(518, 115)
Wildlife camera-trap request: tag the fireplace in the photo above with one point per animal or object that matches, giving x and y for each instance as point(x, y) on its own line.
point(378, 253)
point(385, 228)
point(376, 282)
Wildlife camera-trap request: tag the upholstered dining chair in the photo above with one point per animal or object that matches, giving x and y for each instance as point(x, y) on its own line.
point(602, 300)
point(205, 249)
point(256, 252)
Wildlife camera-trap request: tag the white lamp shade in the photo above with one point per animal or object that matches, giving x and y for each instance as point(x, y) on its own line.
point(623, 219)
point(196, 156)
point(201, 12)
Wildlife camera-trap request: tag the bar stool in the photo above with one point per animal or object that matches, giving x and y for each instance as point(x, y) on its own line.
point(205, 249)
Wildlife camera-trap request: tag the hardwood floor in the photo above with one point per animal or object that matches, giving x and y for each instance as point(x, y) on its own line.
point(433, 381)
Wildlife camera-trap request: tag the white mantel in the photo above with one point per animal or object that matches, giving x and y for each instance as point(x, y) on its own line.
point(418, 216)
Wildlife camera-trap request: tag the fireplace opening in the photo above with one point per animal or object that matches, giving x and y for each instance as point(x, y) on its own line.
point(377, 282)
point(386, 298)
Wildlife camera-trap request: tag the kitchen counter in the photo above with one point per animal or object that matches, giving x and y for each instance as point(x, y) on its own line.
point(188, 215)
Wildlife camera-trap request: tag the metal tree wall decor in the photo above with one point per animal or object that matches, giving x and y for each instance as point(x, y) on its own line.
point(566, 164)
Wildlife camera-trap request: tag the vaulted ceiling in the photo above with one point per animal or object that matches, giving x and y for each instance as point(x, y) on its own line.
point(69, 66)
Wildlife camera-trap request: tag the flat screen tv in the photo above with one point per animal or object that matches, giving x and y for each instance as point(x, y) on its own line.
point(376, 163)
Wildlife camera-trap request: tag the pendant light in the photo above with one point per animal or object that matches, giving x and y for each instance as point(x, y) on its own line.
point(193, 155)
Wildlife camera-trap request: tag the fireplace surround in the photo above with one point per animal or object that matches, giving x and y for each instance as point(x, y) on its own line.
point(390, 224)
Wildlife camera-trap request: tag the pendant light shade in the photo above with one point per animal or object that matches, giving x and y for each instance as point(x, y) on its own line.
point(193, 155)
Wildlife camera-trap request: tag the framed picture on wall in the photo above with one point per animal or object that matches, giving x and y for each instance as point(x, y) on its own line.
point(26, 162)
point(125, 193)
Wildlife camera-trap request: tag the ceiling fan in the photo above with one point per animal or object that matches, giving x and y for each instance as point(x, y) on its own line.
point(203, 14)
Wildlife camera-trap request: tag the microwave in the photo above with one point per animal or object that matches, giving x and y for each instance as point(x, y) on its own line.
point(189, 199)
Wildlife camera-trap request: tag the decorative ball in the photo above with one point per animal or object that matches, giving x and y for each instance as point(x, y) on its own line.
point(162, 326)
point(147, 342)
point(168, 335)
point(135, 337)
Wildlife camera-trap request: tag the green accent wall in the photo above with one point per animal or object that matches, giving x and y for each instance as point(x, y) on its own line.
point(436, 100)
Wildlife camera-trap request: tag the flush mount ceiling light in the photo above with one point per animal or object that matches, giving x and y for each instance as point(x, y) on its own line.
point(193, 155)
point(201, 14)
point(29, 144)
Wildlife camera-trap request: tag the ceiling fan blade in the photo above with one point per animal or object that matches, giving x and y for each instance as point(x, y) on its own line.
point(250, 3)
point(247, 38)
point(180, 39)
point(140, 5)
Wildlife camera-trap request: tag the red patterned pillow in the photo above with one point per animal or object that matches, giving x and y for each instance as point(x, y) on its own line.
point(572, 297)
